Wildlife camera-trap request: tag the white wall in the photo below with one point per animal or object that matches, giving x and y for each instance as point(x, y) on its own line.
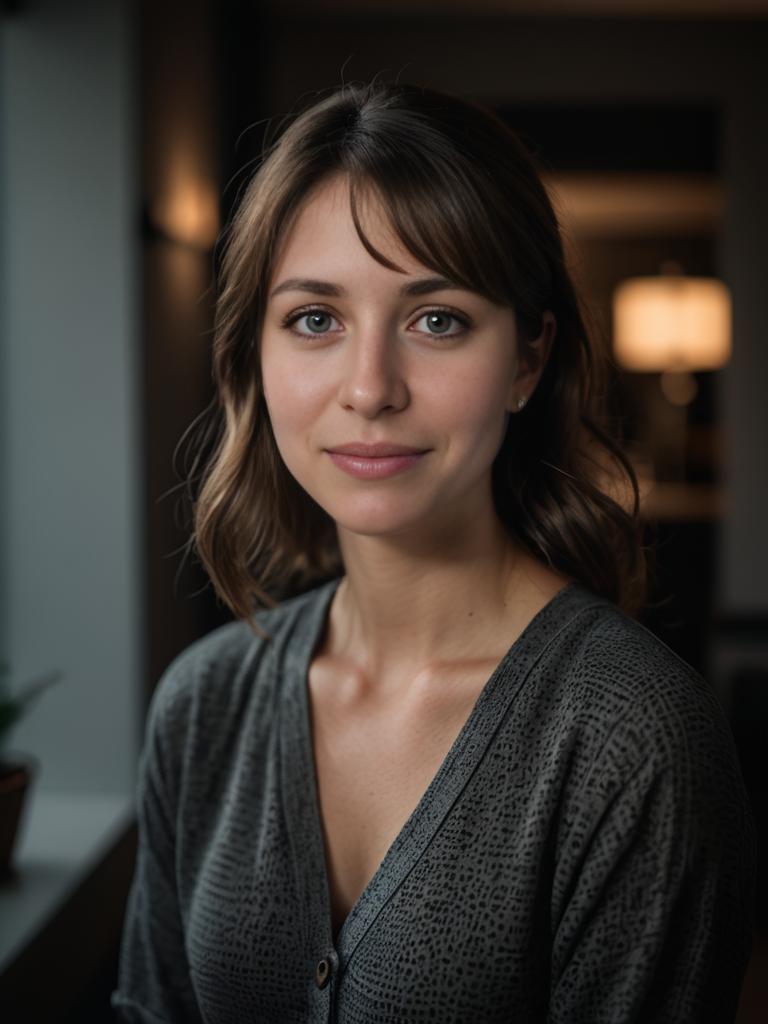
point(69, 534)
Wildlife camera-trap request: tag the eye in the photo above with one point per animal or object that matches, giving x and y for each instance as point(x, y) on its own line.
point(317, 321)
point(438, 323)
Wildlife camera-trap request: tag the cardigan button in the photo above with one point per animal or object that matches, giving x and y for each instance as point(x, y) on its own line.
point(325, 969)
point(322, 973)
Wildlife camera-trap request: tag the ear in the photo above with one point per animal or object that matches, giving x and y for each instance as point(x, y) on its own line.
point(533, 358)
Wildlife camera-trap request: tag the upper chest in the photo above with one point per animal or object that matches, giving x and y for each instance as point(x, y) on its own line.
point(374, 760)
point(382, 749)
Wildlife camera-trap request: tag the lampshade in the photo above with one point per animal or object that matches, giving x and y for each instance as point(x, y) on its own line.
point(671, 322)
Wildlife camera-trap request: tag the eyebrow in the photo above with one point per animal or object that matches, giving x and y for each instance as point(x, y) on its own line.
point(423, 286)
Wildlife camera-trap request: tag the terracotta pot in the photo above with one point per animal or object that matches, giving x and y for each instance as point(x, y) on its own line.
point(16, 775)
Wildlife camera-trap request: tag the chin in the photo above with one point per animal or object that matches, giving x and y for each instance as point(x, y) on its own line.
point(375, 526)
point(377, 519)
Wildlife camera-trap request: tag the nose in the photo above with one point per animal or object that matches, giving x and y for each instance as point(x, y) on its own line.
point(372, 380)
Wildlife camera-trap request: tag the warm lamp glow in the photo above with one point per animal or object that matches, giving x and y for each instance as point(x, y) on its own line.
point(188, 213)
point(671, 322)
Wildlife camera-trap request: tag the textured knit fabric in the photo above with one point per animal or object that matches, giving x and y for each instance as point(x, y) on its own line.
point(585, 853)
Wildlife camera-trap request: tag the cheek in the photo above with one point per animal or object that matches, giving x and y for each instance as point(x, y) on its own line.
point(290, 393)
point(473, 403)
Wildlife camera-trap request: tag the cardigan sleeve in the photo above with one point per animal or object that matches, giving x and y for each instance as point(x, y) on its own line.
point(154, 985)
point(654, 890)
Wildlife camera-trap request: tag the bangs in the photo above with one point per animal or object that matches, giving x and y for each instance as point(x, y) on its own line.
point(442, 223)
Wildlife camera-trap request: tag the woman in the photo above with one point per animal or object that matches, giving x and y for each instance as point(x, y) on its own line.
point(450, 777)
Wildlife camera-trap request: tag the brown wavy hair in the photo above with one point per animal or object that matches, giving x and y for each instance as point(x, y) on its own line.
point(465, 198)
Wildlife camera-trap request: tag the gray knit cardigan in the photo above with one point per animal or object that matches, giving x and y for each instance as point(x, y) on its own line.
point(585, 853)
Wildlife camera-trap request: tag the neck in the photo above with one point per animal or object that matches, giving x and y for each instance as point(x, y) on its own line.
point(405, 606)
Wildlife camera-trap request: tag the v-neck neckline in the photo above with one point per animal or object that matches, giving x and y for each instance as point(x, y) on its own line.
point(465, 753)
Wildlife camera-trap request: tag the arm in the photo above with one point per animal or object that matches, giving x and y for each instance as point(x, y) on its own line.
point(154, 985)
point(654, 890)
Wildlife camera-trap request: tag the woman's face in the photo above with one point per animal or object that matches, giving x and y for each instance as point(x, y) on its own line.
point(356, 354)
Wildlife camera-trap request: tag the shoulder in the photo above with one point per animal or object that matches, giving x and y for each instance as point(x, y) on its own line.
point(639, 720)
point(649, 747)
point(612, 699)
point(640, 689)
point(214, 677)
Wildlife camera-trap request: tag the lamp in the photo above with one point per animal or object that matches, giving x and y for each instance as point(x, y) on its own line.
point(674, 325)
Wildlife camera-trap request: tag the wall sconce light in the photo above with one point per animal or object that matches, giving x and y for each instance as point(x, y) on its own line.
point(186, 211)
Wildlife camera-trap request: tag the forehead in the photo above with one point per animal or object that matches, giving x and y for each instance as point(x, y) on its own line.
point(322, 236)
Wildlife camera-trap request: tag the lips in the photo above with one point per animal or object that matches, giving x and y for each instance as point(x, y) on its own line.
point(375, 461)
point(375, 451)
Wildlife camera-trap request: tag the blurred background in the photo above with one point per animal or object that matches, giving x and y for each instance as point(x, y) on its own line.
point(127, 131)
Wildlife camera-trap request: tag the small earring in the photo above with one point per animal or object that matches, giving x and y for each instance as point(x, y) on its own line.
point(520, 403)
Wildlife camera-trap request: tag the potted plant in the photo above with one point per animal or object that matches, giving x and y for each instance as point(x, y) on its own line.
point(16, 770)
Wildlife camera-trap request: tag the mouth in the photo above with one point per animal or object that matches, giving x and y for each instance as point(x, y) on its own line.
point(374, 461)
point(374, 451)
